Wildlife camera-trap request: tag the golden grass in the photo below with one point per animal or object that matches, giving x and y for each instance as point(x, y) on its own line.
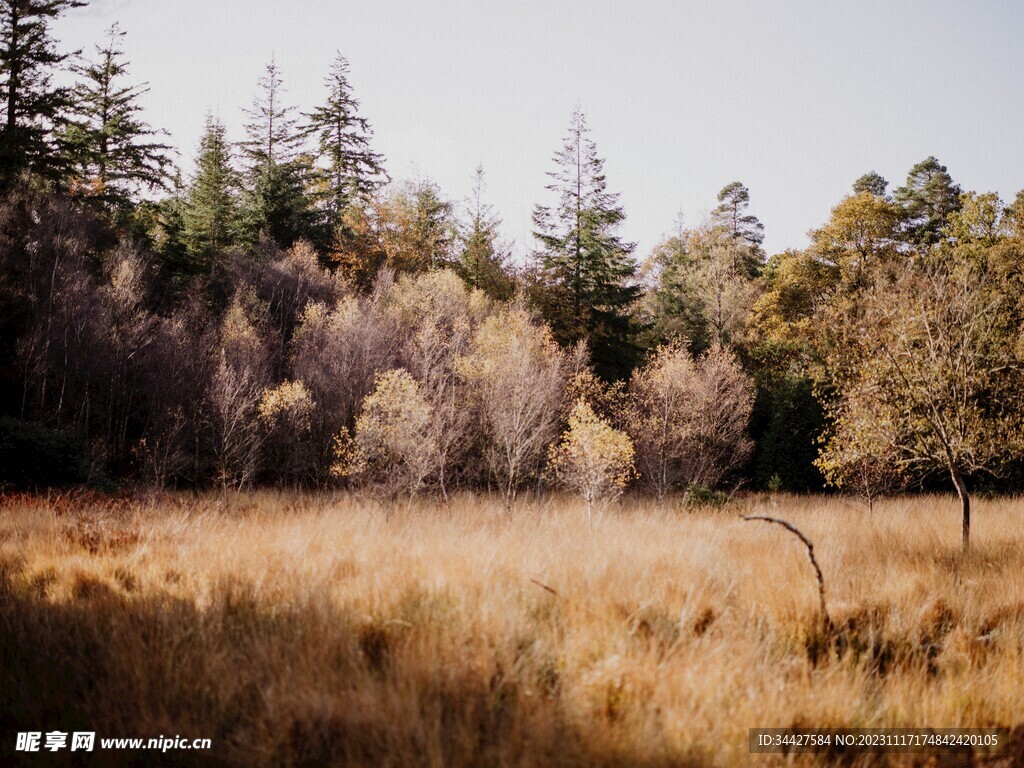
point(309, 630)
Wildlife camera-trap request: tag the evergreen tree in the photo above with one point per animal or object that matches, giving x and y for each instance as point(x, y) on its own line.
point(169, 240)
point(674, 299)
point(417, 228)
point(111, 149)
point(211, 206)
point(353, 171)
point(276, 204)
point(871, 182)
point(928, 199)
point(28, 59)
point(746, 229)
point(587, 270)
point(483, 256)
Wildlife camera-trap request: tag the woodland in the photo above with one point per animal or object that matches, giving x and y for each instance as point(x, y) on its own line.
point(277, 311)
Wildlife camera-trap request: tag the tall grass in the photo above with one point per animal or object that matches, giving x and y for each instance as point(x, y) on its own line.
point(308, 630)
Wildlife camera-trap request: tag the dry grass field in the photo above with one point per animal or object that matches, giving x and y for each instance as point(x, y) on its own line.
point(315, 630)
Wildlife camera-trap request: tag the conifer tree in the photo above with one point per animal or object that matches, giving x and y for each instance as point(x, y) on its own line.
point(211, 206)
point(275, 205)
point(872, 182)
point(112, 151)
point(733, 216)
point(928, 199)
point(33, 104)
point(352, 169)
point(416, 227)
point(176, 266)
point(483, 256)
point(587, 270)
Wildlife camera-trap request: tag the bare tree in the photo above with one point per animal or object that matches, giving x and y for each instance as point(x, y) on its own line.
point(437, 315)
point(178, 366)
point(233, 395)
point(722, 282)
point(337, 353)
point(688, 417)
point(517, 374)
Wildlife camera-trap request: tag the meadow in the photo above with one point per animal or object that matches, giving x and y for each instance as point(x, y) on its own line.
point(296, 629)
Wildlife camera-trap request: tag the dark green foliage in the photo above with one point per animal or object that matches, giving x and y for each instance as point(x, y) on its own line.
point(110, 150)
point(33, 104)
point(702, 496)
point(732, 215)
point(587, 271)
point(167, 232)
point(210, 214)
point(483, 256)
point(676, 302)
point(275, 205)
point(870, 182)
point(786, 423)
point(352, 170)
point(928, 199)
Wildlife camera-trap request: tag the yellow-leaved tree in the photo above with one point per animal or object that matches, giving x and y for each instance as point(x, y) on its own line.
point(592, 459)
point(393, 445)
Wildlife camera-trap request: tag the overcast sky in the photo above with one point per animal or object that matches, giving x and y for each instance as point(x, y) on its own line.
point(795, 99)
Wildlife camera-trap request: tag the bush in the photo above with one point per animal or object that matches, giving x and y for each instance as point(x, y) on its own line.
point(702, 496)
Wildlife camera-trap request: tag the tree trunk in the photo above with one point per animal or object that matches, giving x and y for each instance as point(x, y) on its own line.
point(965, 501)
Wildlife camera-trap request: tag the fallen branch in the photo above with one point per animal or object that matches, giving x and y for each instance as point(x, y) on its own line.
point(826, 620)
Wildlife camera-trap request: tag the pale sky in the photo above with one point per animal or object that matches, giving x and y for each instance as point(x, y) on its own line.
point(794, 98)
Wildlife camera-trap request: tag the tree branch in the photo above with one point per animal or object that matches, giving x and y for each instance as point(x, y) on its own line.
point(826, 620)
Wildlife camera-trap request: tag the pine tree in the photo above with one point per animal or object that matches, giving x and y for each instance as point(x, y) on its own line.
point(28, 59)
point(743, 227)
point(111, 149)
point(275, 205)
point(587, 270)
point(211, 206)
point(483, 256)
point(928, 199)
point(353, 170)
point(872, 182)
point(272, 136)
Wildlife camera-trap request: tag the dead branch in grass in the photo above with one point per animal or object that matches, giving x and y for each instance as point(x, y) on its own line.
point(826, 620)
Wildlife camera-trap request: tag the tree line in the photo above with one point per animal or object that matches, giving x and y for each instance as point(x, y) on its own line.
point(288, 313)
